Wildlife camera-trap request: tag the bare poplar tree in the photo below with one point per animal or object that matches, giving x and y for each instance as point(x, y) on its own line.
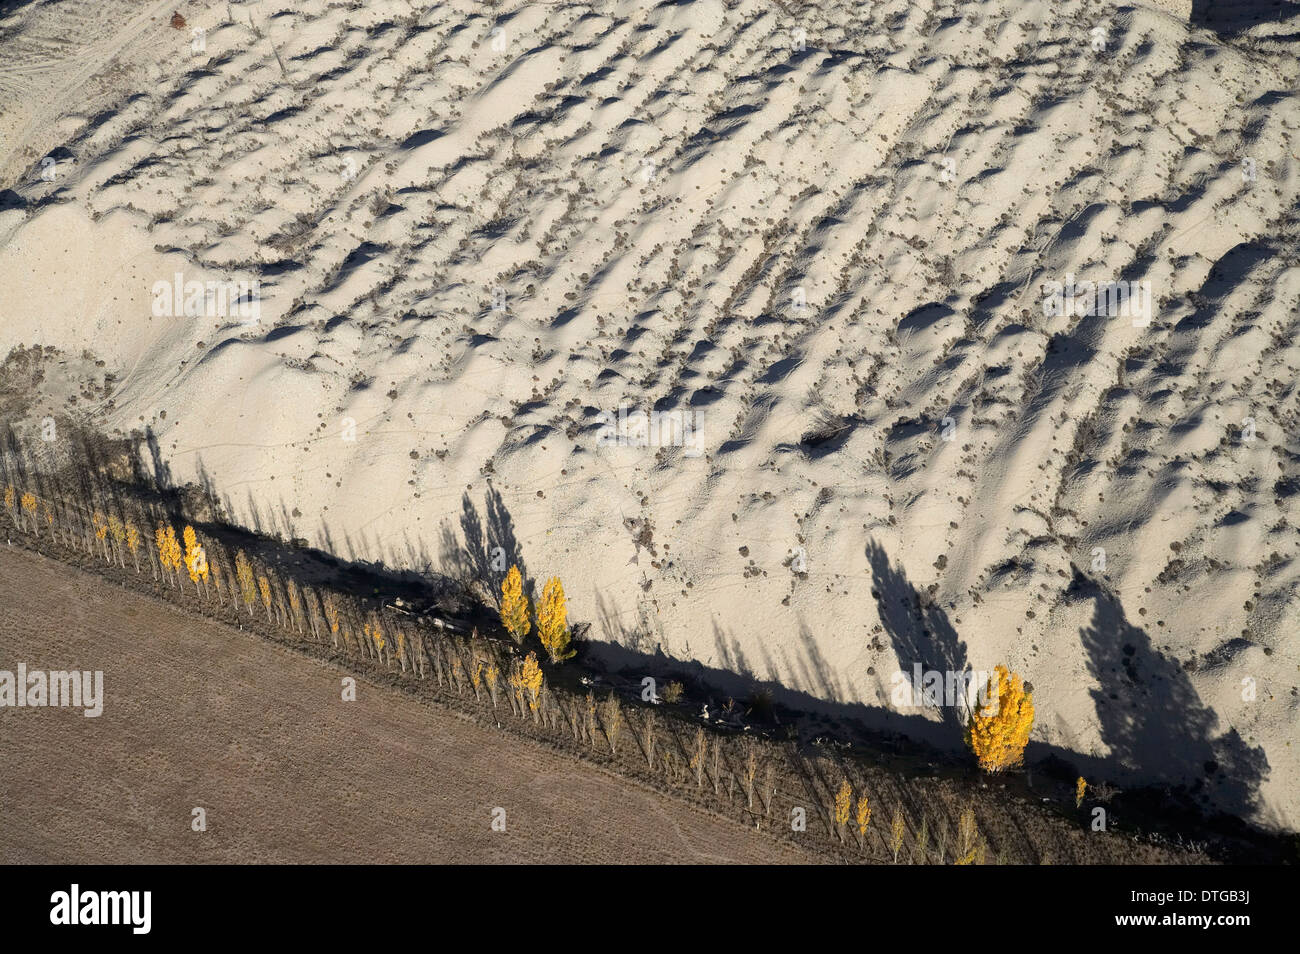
point(612, 717)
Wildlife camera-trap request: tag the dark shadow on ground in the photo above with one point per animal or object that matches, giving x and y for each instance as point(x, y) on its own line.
point(1155, 723)
point(486, 549)
point(1230, 17)
point(908, 741)
point(1168, 720)
point(920, 631)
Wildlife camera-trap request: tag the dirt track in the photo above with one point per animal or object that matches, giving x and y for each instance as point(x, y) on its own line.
point(199, 715)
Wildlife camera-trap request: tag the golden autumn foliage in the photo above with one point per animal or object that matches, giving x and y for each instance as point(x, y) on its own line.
point(896, 832)
point(174, 554)
point(372, 631)
point(196, 563)
point(332, 615)
point(133, 543)
point(295, 602)
point(553, 622)
point(1080, 787)
point(29, 504)
point(527, 681)
point(843, 799)
point(514, 606)
point(244, 574)
point(863, 814)
point(169, 549)
point(999, 732)
point(997, 735)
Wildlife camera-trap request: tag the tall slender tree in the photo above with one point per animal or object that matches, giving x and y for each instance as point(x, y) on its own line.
point(514, 606)
point(247, 584)
point(552, 622)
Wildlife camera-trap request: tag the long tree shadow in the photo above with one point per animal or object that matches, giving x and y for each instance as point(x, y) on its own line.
point(1229, 17)
point(502, 543)
point(919, 629)
point(1168, 735)
point(487, 547)
point(1155, 724)
point(159, 472)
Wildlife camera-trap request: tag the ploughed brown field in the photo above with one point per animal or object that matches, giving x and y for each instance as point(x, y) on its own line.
point(197, 714)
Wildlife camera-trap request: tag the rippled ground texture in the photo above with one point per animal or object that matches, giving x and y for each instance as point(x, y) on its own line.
point(820, 234)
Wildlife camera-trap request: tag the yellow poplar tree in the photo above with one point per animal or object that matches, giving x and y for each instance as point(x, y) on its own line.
point(169, 551)
point(863, 815)
point(244, 574)
point(843, 799)
point(101, 530)
point(552, 622)
point(175, 555)
point(116, 531)
point(29, 504)
point(160, 544)
point(896, 833)
point(999, 732)
point(332, 616)
point(372, 631)
point(527, 681)
point(195, 561)
point(264, 586)
point(133, 544)
point(514, 606)
point(295, 603)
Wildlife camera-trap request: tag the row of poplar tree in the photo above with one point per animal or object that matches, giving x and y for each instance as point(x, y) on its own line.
point(133, 535)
